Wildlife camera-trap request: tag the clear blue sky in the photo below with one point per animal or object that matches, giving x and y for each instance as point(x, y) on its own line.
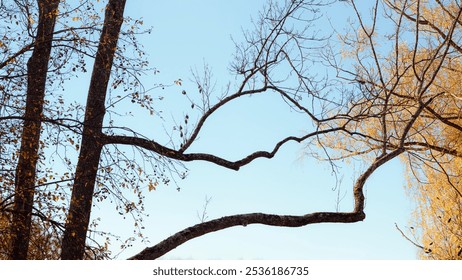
point(187, 33)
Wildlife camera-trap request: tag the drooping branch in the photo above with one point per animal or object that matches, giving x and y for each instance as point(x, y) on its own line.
point(179, 155)
point(409, 239)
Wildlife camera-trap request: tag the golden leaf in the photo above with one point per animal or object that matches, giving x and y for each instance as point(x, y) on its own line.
point(152, 186)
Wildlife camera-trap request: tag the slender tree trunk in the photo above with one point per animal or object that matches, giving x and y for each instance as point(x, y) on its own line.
point(37, 68)
point(73, 246)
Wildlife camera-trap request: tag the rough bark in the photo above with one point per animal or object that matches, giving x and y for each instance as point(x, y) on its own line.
point(73, 245)
point(187, 234)
point(37, 68)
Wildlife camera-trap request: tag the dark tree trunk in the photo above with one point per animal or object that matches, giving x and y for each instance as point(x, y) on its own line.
point(37, 68)
point(73, 245)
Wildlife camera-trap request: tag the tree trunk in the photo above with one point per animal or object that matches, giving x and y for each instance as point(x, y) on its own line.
point(73, 245)
point(37, 68)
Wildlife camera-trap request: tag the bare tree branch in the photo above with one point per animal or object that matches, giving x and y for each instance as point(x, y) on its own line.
point(179, 155)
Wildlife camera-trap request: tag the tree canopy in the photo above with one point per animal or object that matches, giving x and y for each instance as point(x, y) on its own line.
point(383, 88)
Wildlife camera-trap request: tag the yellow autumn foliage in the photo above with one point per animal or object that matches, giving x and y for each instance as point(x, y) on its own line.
point(411, 99)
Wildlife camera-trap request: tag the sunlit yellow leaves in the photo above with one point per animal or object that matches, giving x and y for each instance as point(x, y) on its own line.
point(419, 67)
point(439, 211)
point(439, 16)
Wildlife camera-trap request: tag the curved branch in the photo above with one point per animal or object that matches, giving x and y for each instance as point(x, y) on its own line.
point(408, 239)
point(210, 111)
point(198, 230)
point(179, 155)
point(187, 234)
